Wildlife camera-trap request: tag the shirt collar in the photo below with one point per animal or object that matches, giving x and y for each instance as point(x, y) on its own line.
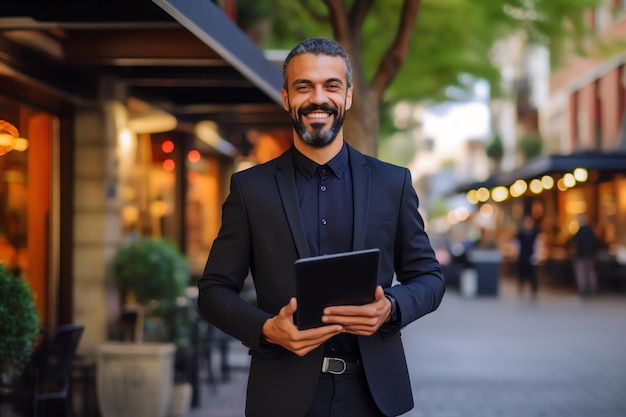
point(308, 167)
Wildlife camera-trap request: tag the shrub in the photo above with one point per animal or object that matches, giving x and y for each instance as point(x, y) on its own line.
point(19, 324)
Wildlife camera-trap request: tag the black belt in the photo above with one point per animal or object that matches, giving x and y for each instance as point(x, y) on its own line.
point(340, 366)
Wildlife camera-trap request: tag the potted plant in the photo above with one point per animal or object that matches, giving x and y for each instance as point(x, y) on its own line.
point(19, 327)
point(152, 276)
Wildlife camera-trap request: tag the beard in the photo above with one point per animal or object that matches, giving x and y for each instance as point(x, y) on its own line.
point(317, 137)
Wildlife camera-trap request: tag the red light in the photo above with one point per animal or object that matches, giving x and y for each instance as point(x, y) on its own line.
point(167, 146)
point(169, 165)
point(193, 176)
point(193, 156)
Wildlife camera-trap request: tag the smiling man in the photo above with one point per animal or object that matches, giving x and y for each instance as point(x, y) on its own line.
point(321, 197)
point(319, 99)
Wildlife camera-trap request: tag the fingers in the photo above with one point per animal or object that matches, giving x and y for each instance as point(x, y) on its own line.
point(282, 331)
point(362, 320)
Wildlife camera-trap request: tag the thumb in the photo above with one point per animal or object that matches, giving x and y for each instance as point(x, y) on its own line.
point(379, 294)
point(291, 307)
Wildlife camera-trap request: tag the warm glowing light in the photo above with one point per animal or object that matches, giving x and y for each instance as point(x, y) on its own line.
point(518, 188)
point(576, 207)
point(167, 146)
point(10, 140)
point(130, 214)
point(193, 176)
point(6, 143)
point(499, 194)
point(547, 182)
point(560, 184)
point(535, 186)
point(462, 213)
point(486, 210)
point(482, 194)
point(451, 217)
point(569, 180)
point(169, 165)
point(472, 197)
point(581, 174)
point(193, 156)
point(158, 208)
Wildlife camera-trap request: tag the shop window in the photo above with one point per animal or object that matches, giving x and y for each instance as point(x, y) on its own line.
point(26, 234)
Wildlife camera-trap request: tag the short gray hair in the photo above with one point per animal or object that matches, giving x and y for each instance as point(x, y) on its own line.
point(319, 46)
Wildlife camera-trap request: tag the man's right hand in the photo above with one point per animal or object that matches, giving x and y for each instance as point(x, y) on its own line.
point(282, 331)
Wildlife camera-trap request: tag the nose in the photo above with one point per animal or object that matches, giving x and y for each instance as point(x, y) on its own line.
point(319, 95)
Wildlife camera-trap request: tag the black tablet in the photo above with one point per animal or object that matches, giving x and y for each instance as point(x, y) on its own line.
point(347, 278)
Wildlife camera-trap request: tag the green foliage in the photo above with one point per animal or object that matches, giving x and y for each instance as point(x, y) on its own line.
point(530, 145)
point(151, 270)
point(19, 323)
point(155, 274)
point(450, 37)
point(495, 149)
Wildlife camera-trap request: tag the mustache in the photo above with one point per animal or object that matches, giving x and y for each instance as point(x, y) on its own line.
point(324, 107)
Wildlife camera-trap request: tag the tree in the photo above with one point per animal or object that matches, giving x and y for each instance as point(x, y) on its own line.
point(495, 151)
point(418, 49)
point(530, 145)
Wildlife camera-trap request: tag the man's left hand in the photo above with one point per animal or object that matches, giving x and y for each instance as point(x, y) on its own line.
point(362, 320)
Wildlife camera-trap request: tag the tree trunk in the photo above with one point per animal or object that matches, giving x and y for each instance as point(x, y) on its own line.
point(363, 122)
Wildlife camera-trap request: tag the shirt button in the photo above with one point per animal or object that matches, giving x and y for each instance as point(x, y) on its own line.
point(324, 222)
point(323, 188)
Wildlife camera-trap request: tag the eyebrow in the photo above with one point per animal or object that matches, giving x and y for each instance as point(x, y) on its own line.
point(305, 81)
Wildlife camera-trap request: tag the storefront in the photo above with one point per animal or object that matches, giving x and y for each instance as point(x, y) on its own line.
point(555, 190)
point(131, 124)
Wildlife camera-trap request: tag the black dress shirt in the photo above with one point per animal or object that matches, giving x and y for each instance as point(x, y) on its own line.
point(326, 204)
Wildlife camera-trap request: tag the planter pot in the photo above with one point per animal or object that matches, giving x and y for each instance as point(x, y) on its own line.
point(134, 379)
point(180, 402)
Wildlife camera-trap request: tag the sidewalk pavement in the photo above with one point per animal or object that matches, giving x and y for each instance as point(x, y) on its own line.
point(504, 356)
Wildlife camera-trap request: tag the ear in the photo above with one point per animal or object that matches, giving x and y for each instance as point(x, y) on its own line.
point(285, 99)
point(349, 98)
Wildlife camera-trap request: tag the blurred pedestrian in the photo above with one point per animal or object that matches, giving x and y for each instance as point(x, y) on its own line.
point(526, 240)
point(585, 242)
point(321, 196)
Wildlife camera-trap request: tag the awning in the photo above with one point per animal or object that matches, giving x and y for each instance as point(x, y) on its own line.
point(561, 164)
point(186, 57)
point(593, 161)
point(490, 182)
point(205, 20)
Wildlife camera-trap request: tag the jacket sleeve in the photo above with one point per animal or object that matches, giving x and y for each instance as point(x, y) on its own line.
point(418, 273)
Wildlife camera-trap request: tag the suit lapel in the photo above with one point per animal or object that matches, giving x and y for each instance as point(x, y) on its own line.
point(361, 193)
point(285, 179)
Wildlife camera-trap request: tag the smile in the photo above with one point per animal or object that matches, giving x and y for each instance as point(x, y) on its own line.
point(318, 115)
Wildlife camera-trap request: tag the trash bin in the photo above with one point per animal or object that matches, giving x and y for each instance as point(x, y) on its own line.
point(487, 265)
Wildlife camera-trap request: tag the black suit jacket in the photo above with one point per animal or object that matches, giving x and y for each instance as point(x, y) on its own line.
point(263, 233)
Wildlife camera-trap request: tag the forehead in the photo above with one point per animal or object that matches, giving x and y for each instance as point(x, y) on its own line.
point(316, 68)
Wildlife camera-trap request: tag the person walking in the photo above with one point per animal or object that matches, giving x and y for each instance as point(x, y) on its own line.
point(584, 258)
point(526, 239)
point(321, 196)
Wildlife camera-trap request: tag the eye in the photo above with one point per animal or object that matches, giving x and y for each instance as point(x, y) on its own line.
point(302, 88)
point(334, 86)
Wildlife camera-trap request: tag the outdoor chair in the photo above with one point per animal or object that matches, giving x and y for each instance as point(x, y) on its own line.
point(53, 369)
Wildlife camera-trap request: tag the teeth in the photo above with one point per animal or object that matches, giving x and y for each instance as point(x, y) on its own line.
point(318, 115)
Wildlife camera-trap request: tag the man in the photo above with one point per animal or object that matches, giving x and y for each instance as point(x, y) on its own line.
point(320, 197)
point(526, 257)
point(584, 258)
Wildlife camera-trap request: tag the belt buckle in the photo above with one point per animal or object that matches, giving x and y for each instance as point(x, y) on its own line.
point(330, 366)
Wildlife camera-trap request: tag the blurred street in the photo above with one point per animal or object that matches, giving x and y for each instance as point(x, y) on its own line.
point(504, 356)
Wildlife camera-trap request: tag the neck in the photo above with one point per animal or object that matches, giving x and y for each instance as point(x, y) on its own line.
point(319, 155)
